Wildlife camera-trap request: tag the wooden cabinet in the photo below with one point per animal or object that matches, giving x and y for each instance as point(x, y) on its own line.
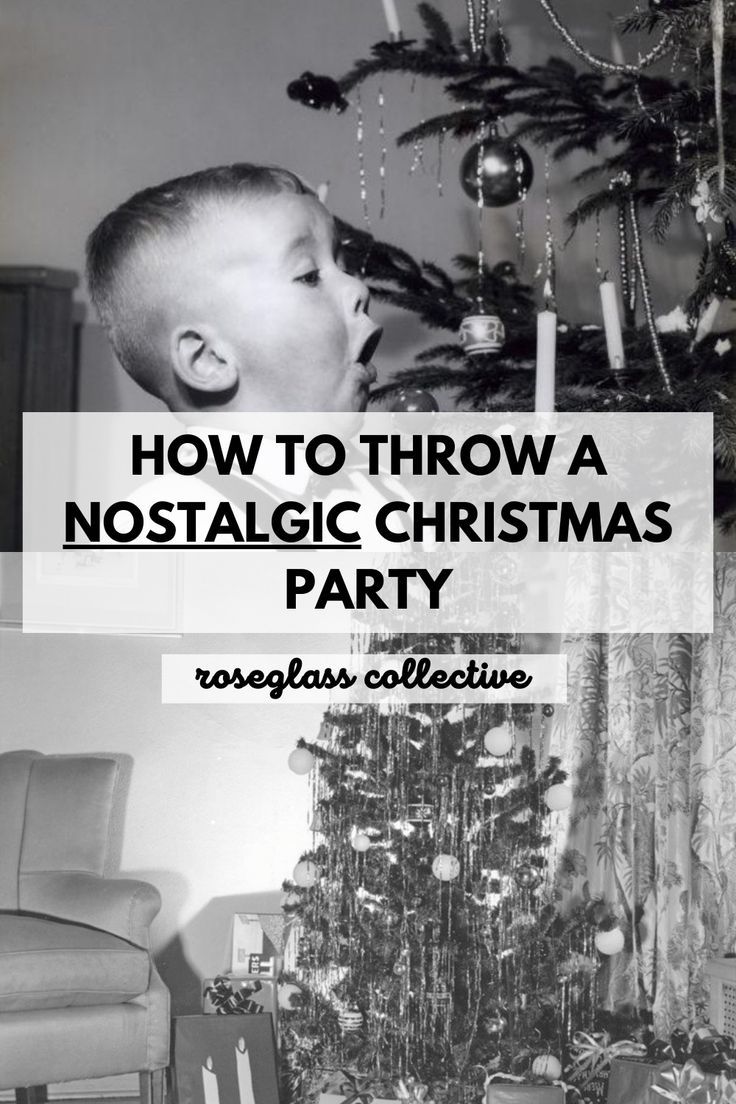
point(37, 370)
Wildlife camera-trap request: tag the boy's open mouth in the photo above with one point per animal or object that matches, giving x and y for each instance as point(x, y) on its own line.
point(369, 347)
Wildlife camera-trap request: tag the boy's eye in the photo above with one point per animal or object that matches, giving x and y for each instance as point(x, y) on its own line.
point(311, 278)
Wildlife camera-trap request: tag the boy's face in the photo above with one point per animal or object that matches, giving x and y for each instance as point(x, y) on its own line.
point(269, 287)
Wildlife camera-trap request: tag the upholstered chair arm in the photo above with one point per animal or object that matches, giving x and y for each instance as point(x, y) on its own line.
point(123, 906)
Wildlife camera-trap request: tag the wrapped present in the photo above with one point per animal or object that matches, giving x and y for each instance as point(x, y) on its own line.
point(227, 995)
point(258, 940)
point(704, 1044)
point(224, 1059)
point(685, 1084)
point(589, 1058)
point(505, 1088)
point(631, 1080)
point(350, 1087)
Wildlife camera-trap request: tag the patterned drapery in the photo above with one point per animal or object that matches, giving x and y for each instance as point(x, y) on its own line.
point(649, 738)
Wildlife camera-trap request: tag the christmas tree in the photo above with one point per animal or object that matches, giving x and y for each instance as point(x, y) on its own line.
point(432, 946)
point(660, 148)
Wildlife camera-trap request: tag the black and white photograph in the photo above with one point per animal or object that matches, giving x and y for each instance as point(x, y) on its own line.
point(436, 302)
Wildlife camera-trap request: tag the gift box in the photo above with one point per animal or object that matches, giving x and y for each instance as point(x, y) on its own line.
point(498, 1093)
point(631, 1080)
point(229, 994)
point(350, 1087)
point(588, 1062)
point(257, 943)
point(224, 1060)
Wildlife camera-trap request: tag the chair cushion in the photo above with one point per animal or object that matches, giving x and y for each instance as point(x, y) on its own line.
point(47, 963)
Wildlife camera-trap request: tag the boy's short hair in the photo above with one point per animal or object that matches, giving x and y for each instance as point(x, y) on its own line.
point(145, 224)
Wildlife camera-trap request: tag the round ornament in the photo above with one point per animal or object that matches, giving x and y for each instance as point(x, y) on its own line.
point(360, 842)
point(289, 995)
point(301, 761)
point(350, 1020)
point(496, 1025)
point(446, 867)
point(558, 797)
point(548, 710)
point(547, 1066)
point(526, 876)
point(610, 942)
point(499, 740)
point(414, 401)
point(400, 968)
point(501, 170)
point(481, 334)
point(306, 874)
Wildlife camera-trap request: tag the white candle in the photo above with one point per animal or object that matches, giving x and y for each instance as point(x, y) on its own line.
point(392, 18)
point(612, 325)
point(707, 318)
point(245, 1077)
point(544, 397)
point(209, 1084)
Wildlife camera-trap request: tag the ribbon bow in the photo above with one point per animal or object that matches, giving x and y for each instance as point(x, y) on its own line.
point(355, 1088)
point(412, 1091)
point(684, 1084)
point(592, 1053)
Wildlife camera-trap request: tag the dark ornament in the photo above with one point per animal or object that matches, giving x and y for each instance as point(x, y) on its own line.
point(505, 170)
point(526, 876)
point(414, 401)
point(547, 710)
point(317, 92)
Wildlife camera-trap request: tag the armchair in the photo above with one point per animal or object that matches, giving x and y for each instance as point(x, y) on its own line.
point(79, 994)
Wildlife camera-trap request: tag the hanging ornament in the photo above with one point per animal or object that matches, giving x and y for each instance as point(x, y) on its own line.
point(306, 874)
point(446, 867)
point(496, 170)
point(401, 966)
point(703, 203)
point(548, 710)
point(301, 761)
point(547, 1066)
point(360, 842)
point(390, 918)
point(499, 740)
point(350, 1020)
point(526, 876)
point(558, 797)
point(414, 401)
point(318, 92)
point(496, 1024)
point(610, 942)
point(481, 334)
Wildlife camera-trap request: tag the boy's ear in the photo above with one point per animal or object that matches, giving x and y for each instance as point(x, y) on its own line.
point(201, 360)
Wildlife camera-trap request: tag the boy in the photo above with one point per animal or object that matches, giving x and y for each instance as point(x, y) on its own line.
point(222, 291)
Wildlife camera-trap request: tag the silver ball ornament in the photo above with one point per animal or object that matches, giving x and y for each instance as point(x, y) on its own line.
point(501, 170)
point(301, 761)
point(446, 867)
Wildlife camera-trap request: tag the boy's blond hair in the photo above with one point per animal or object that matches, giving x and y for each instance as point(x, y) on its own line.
point(137, 238)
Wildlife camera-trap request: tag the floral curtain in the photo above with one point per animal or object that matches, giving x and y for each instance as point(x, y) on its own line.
point(649, 738)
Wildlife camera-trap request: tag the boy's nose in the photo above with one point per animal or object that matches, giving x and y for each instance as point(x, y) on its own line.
point(357, 296)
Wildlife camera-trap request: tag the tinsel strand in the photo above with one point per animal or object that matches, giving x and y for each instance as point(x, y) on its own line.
point(645, 294)
point(717, 19)
point(602, 64)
